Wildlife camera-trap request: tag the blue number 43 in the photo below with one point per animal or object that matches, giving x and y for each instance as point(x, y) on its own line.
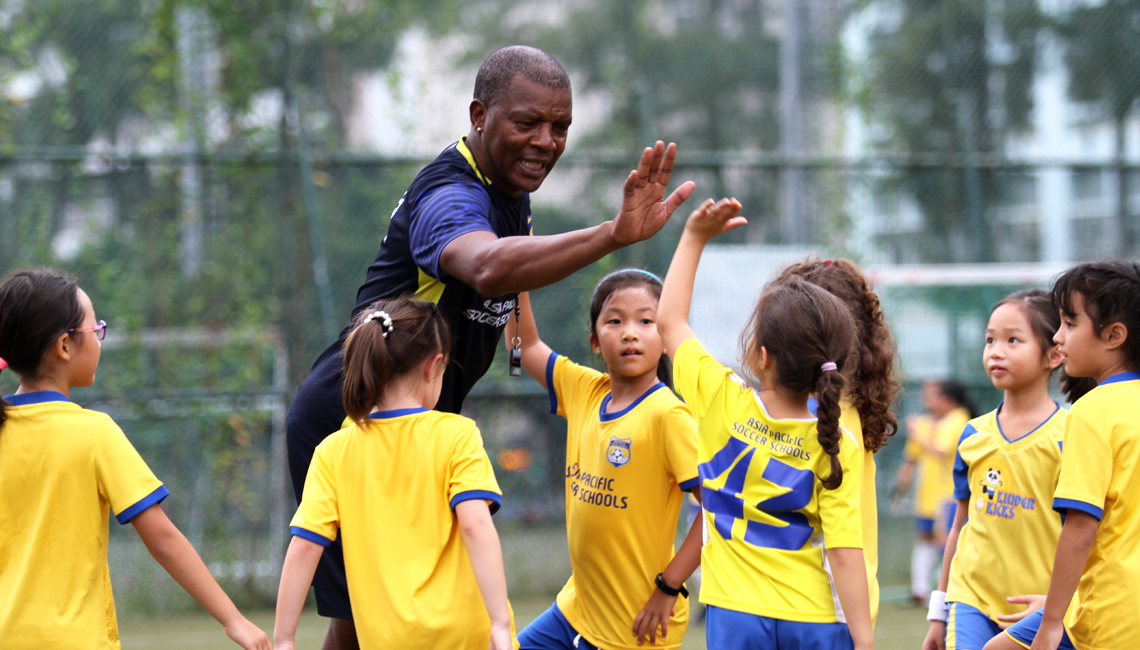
point(726, 504)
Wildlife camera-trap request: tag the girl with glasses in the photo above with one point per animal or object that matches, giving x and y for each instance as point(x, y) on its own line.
point(62, 469)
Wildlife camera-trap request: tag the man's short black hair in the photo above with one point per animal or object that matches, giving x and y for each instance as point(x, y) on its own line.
point(495, 75)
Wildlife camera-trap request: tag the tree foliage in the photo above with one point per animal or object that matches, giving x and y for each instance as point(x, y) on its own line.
point(953, 78)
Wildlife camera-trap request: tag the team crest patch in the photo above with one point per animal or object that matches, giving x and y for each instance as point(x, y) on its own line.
point(618, 453)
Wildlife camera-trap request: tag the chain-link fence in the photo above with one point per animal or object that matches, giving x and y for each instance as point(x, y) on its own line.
point(219, 176)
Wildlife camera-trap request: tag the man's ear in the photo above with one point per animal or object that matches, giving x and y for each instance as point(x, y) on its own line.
point(1114, 335)
point(478, 113)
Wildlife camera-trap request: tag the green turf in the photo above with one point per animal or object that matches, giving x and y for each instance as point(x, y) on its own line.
point(899, 627)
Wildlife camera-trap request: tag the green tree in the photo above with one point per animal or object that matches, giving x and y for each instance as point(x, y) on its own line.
point(1103, 58)
point(953, 79)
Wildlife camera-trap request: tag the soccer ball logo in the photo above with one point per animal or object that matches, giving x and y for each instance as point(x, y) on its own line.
point(618, 452)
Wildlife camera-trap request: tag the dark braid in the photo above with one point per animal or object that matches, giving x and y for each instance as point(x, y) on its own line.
point(804, 327)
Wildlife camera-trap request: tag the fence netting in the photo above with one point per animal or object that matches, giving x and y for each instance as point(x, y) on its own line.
point(219, 176)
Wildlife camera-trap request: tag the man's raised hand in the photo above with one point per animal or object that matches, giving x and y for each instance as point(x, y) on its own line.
point(644, 208)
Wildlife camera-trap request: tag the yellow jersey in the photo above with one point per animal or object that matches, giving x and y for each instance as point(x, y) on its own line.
point(625, 476)
point(391, 488)
point(768, 519)
point(62, 469)
point(934, 473)
point(868, 504)
point(1100, 470)
point(1007, 545)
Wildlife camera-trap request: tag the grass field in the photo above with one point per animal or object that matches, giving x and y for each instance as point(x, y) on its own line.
point(900, 627)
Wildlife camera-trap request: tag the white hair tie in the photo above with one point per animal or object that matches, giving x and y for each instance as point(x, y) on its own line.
point(829, 366)
point(386, 322)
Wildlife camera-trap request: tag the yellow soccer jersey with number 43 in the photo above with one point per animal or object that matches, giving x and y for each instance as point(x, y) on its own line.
point(1007, 545)
point(391, 488)
point(1100, 472)
point(625, 474)
point(768, 519)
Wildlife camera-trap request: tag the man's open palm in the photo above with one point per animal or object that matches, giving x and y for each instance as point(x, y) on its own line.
point(644, 208)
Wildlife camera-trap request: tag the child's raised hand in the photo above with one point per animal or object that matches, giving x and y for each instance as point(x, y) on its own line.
point(711, 219)
point(248, 635)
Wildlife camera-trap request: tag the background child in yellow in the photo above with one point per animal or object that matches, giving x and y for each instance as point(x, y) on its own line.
point(1005, 471)
point(868, 408)
point(783, 563)
point(1097, 556)
point(631, 452)
point(410, 492)
point(62, 468)
point(929, 462)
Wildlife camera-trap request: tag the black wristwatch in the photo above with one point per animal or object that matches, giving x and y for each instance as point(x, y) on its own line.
point(669, 591)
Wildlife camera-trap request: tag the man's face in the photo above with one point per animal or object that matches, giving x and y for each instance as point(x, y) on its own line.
point(524, 134)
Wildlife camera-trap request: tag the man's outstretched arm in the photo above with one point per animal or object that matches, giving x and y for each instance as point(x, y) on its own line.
point(494, 266)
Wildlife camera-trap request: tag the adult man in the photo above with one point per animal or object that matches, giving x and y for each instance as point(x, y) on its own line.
point(459, 237)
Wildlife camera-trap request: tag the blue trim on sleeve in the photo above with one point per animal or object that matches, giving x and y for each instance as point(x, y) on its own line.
point(471, 495)
point(395, 413)
point(550, 361)
point(1064, 505)
point(309, 535)
point(37, 397)
point(142, 504)
point(1131, 375)
point(610, 417)
point(961, 469)
point(690, 484)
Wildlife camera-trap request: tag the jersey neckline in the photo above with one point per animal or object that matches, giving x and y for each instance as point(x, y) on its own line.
point(395, 413)
point(610, 417)
point(997, 421)
point(36, 397)
point(1131, 375)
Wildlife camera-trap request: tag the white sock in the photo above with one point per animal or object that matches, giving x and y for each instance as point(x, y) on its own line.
point(921, 565)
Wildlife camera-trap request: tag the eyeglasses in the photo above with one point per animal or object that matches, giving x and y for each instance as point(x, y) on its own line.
point(100, 330)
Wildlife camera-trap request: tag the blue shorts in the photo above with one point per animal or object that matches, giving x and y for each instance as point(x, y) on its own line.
point(1024, 630)
point(967, 628)
point(551, 631)
point(727, 629)
point(924, 526)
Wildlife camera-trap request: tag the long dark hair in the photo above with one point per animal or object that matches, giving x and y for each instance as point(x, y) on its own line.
point(36, 307)
point(1111, 292)
point(875, 386)
point(803, 327)
point(384, 346)
point(628, 279)
point(1044, 320)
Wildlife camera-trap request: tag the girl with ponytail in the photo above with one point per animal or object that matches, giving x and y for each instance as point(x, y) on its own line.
point(868, 407)
point(397, 485)
point(783, 562)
